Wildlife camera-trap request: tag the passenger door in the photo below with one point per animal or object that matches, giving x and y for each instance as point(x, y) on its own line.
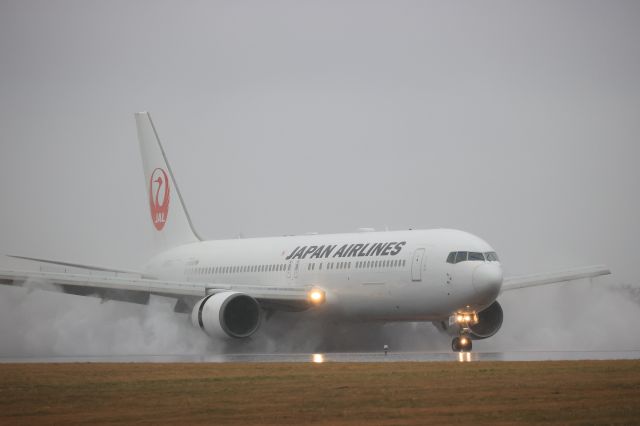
point(416, 265)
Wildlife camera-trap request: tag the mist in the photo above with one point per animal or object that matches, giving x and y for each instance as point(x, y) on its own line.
point(581, 316)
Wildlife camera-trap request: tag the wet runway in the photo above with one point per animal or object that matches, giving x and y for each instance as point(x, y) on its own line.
point(345, 357)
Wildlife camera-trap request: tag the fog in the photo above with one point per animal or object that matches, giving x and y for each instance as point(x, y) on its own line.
point(578, 317)
point(515, 121)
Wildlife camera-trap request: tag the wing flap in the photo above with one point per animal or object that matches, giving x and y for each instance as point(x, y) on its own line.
point(534, 280)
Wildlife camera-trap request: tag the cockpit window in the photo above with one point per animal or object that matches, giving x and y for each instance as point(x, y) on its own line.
point(473, 255)
point(461, 256)
point(476, 256)
point(492, 256)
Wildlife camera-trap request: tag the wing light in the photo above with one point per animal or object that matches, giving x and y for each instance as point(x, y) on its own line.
point(316, 296)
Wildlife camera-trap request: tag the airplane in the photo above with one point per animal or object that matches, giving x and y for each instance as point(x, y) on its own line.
point(230, 287)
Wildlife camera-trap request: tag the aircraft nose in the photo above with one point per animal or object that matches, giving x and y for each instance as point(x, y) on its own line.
point(487, 280)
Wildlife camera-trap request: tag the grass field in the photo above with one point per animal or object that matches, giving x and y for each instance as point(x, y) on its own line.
point(329, 393)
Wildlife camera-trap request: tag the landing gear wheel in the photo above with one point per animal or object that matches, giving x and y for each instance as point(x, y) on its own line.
point(461, 344)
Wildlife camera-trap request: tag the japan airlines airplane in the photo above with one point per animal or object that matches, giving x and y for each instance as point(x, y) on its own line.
point(445, 276)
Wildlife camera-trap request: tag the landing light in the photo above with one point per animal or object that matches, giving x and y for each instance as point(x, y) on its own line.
point(318, 358)
point(316, 296)
point(464, 318)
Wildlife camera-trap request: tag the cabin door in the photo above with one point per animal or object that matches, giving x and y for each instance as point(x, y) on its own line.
point(416, 265)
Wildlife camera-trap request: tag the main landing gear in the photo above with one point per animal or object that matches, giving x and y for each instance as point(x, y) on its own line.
point(461, 344)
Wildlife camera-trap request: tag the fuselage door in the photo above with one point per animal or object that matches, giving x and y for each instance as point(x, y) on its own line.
point(416, 265)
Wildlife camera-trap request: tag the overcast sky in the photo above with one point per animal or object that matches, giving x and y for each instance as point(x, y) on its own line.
point(516, 121)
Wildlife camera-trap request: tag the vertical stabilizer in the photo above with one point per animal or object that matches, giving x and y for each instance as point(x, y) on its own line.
point(170, 221)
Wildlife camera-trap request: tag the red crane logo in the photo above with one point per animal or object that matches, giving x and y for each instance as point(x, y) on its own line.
point(159, 198)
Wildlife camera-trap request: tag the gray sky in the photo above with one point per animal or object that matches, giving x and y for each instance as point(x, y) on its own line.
point(516, 121)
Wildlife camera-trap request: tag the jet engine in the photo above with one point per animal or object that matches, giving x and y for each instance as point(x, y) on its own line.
point(227, 314)
point(484, 324)
point(489, 322)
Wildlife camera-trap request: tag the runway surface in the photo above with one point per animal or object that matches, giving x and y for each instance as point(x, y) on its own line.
point(344, 357)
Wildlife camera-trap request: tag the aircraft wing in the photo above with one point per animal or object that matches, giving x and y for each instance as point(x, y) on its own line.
point(137, 289)
point(74, 265)
point(514, 283)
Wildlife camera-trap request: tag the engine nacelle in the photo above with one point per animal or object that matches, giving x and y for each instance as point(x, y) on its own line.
point(227, 314)
point(489, 322)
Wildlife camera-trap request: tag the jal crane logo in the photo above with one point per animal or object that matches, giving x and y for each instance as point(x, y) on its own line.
point(159, 198)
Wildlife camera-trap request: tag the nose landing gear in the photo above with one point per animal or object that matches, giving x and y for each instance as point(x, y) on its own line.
point(463, 321)
point(461, 344)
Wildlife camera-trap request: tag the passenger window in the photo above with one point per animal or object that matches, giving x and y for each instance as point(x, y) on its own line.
point(461, 256)
point(476, 256)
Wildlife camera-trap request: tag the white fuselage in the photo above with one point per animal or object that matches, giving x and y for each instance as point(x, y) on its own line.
point(386, 276)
